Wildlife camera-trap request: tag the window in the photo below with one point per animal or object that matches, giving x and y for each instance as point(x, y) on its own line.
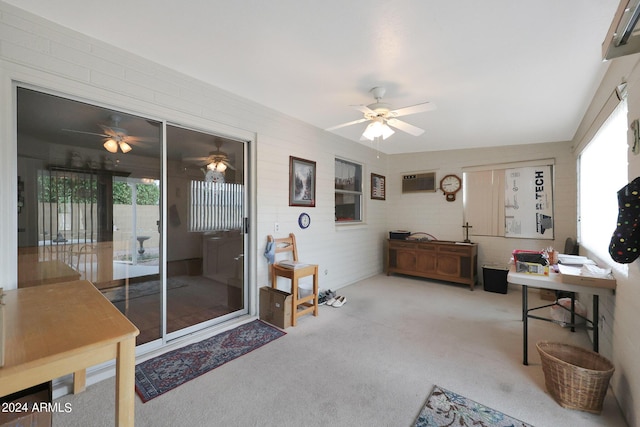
point(510, 199)
point(602, 172)
point(348, 191)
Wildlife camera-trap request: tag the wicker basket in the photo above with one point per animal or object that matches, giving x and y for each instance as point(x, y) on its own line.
point(575, 377)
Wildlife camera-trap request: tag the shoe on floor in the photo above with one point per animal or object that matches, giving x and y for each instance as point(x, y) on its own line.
point(340, 301)
point(331, 301)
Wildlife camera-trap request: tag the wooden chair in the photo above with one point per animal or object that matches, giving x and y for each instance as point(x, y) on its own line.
point(300, 306)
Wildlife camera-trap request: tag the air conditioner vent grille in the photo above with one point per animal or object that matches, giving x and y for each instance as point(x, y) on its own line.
point(419, 182)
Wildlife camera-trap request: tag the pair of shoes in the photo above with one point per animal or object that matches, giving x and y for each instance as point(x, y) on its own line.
point(324, 296)
point(337, 301)
point(322, 299)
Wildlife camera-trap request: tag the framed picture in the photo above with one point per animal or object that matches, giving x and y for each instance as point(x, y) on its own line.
point(302, 182)
point(378, 190)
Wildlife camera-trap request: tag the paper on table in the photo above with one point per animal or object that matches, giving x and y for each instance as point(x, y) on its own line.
point(595, 271)
point(587, 270)
point(574, 259)
point(569, 269)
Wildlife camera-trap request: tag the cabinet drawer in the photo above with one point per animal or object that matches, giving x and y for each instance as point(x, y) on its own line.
point(455, 249)
point(431, 248)
point(396, 245)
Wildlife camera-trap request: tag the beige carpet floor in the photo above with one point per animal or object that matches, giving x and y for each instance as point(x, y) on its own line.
point(372, 362)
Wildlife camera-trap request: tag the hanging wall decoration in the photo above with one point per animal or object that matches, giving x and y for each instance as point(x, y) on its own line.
point(529, 202)
point(378, 187)
point(302, 182)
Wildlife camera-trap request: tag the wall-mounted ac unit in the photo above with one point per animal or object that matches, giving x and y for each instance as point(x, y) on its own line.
point(623, 37)
point(419, 182)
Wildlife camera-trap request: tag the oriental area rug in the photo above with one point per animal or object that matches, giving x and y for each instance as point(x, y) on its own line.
point(161, 374)
point(446, 408)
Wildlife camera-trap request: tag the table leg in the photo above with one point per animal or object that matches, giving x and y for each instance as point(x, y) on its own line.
point(525, 321)
point(79, 381)
point(125, 382)
point(294, 296)
point(315, 290)
point(596, 328)
point(573, 311)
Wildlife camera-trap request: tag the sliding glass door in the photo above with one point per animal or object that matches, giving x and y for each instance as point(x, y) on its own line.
point(91, 207)
point(205, 239)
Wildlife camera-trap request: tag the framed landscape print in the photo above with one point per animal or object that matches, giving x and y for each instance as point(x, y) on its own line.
point(302, 182)
point(378, 190)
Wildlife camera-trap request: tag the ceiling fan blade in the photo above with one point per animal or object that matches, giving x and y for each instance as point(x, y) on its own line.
point(405, 127)
point(229, 165)
point(413, 109)
point(141, 138)
point(364, 109)
point(196, 159)
point(86, 133)
point(110, 132)
point(347, 124)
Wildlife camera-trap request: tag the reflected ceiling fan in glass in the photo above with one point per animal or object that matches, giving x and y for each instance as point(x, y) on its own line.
point(217, 160)
point(117, 138)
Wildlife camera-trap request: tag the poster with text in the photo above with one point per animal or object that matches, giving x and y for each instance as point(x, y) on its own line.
point(529, 202)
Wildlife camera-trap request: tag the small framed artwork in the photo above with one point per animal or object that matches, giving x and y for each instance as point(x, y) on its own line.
point(378, 190)
point(302, 182)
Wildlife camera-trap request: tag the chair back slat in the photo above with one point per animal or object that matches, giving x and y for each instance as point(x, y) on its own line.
point(285, 244)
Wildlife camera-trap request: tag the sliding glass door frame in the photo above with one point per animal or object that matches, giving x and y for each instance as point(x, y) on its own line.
point(154, 113)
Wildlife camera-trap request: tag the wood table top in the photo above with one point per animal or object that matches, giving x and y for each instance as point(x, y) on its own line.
point(50, 322)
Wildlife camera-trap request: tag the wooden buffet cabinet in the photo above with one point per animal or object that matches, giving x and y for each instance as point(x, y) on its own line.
point(434, 259)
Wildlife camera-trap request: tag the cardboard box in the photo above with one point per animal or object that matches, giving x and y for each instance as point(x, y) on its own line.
point(574, 276)
point(275, 307)
point(28, 407)
point(596, 282)
point(532, 268)
point(548, 294)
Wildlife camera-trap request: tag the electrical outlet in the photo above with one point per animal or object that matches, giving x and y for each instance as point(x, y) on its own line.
point(326, 271)
point(276, 227)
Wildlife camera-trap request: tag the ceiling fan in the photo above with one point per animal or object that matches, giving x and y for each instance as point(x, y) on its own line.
point(382, 117)
point(215, 161)
point(115, 136)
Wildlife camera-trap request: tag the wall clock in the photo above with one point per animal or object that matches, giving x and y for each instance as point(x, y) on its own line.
point(304, 220)
point(450, 185)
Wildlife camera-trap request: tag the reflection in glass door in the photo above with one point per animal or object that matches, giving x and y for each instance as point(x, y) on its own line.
point(204, 230)
point(89, 207)
point(89, 185)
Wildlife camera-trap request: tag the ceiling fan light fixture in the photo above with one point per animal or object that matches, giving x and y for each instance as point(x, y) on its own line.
point(217, 166)
point(386, 131)
point(111, 146)
point(124, 147)
point(377, 129)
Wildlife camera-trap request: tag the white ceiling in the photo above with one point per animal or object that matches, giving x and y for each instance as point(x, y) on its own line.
point(500, 72)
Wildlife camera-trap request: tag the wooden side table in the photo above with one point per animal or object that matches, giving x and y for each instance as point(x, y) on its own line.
point(57, 329)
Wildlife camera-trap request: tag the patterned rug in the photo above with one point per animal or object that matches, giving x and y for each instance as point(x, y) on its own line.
point(446, 408)
point(163, 373)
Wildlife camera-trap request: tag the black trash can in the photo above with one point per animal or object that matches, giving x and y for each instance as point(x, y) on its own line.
point(495, 278)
